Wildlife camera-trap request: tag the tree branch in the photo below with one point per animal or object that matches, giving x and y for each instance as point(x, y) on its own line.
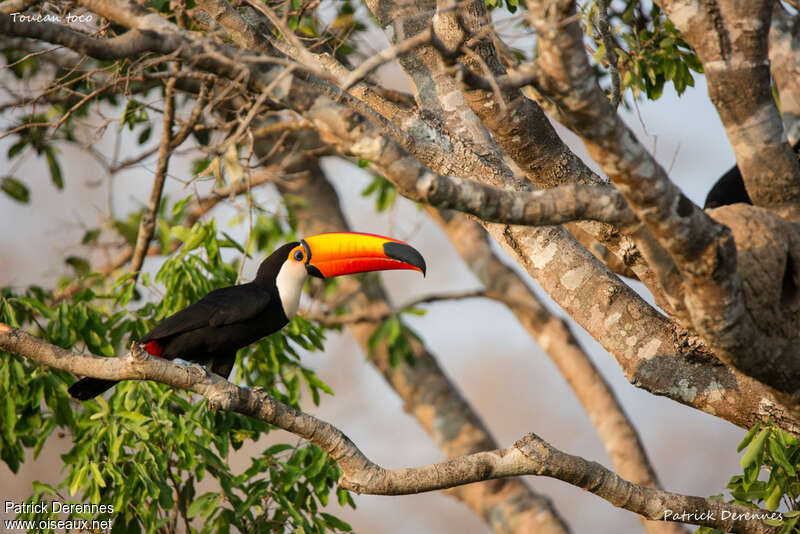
point(148, 223)
point(526, 135)
point(570, 202)
point(604, 28)
point(546, 253)
point(530, 455)
point(784, 41)
point(14, 6)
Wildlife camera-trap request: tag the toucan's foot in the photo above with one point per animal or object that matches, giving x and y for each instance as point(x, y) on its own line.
point(138, 352)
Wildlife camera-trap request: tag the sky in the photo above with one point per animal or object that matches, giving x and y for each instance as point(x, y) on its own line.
point(510, 382)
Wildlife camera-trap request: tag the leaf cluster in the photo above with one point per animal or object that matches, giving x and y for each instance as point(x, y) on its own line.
point(651, 51)
point(768, 449)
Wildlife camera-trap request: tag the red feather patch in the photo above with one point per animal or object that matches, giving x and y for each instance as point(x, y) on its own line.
point(154, 347)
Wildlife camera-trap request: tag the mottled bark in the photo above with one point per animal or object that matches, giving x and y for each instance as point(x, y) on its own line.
point(525, 134)
point(439, 95)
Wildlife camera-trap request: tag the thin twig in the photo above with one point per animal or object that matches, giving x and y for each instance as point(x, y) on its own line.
point(369, 316)
point(148, 223)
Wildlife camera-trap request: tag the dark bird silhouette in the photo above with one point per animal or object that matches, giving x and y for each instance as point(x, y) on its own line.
point(214, 328)
point(730, 188)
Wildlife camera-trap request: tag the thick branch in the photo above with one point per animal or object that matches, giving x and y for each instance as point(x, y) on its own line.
point(527, 136)
point(636, 334)
point(14, 6)
point(530, 455)
point(571, 202)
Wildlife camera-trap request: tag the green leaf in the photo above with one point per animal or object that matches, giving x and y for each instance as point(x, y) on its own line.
point(17, 148)
point(15, 189)
point(774, 499)
point(144, 136)
point(181, 232)
point(79, 265)
point(97, 475)
point(178, 207)
point(203, 505)
point(275, 449)
point(133, 113)
point(778, 455)
point(78, 479)
point(90, 236)
point(192, 238)
point(43, 488)
point(748, 437)
point(54, 167)
point(335, 522)
point(788, 526)
point(200, 165)
point(754, 449)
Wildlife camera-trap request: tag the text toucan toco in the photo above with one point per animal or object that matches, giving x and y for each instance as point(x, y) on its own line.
point(211, 330)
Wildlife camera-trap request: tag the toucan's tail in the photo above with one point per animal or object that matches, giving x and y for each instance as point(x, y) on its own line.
point(87, 388)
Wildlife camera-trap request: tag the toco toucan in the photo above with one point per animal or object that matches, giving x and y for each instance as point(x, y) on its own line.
point(211, 330)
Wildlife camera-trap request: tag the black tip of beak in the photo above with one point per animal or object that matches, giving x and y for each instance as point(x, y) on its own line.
point(404, 253)
point(313, 271)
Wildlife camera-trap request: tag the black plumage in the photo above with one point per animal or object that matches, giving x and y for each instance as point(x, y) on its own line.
point(211, 330)
point(214, 328)
point(729, 189)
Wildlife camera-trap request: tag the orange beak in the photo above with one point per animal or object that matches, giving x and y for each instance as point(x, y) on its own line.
point(341, 253)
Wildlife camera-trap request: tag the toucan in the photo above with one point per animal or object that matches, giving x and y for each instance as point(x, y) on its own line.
point(211, 330)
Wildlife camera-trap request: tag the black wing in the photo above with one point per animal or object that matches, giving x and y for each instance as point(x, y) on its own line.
point(220, 307)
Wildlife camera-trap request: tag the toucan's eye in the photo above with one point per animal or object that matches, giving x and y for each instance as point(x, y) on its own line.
point(298, 255)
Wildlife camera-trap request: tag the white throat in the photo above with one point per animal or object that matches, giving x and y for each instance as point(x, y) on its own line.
point(290, 282)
